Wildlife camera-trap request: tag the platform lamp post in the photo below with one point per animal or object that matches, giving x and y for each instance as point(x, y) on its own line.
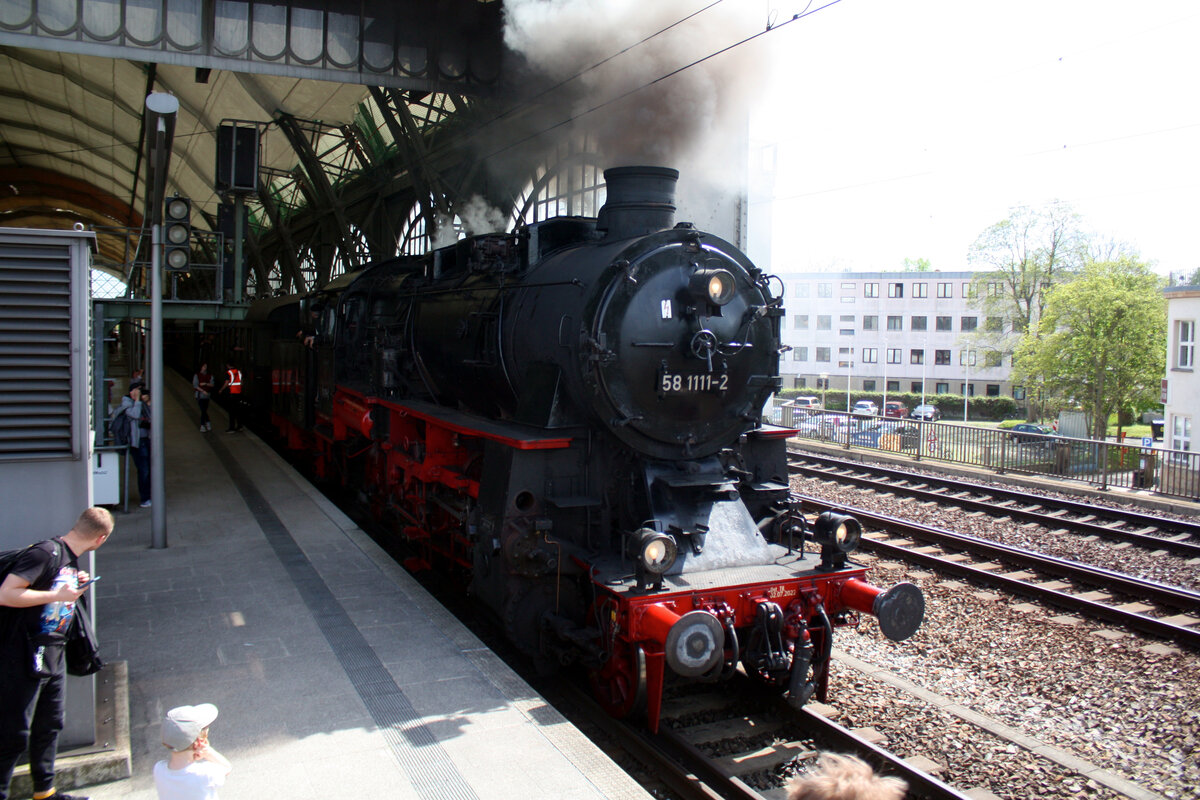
point(967, 384)
point(161, 110)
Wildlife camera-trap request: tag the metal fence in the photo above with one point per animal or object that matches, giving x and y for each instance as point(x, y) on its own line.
point(1106, 464)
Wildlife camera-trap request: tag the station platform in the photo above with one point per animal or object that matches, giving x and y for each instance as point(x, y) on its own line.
point(335, 673)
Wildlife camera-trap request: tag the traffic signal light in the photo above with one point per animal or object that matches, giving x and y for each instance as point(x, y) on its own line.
point(177, 245)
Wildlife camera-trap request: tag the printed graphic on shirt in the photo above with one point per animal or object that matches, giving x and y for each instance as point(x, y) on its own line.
point(56, 616)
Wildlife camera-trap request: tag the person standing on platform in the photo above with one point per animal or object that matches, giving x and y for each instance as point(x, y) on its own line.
point(202, 382)
point(37, 601)
point(136, 406)
point(233, 392)
point(195, 770)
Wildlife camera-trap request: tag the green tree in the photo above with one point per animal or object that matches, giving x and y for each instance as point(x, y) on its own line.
point(917, 265)
point(1021, 257)
point(1100, 340)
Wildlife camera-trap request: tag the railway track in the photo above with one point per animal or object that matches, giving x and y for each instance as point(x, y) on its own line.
point(1146, 606)
point(1178, 537)
point(736, 745)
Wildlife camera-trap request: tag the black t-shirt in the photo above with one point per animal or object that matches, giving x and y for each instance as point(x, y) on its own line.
point(45, 566)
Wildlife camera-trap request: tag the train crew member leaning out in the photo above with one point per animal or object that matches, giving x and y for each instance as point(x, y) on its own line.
point(195, 770)
point(845, 778)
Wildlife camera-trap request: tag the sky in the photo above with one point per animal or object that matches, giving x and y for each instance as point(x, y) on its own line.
point(896, 130)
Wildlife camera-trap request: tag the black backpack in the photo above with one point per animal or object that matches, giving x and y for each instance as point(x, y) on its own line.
point(8, 558)
point(119, 425)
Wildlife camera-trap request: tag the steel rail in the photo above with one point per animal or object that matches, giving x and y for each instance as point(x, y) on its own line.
point(1104, 578)
point(1189, 549)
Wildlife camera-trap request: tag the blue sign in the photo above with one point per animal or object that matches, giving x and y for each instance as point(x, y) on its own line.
point(1147, 441)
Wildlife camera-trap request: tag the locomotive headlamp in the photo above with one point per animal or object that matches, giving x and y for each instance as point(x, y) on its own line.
point(839, 532)
point(656, 551)
point(714, 286)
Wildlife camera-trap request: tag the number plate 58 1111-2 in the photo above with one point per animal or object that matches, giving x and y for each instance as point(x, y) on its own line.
point(675, 382)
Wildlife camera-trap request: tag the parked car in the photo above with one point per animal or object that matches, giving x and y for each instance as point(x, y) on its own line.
point(817, 428)
point(1028, 432)
point(888, 436)
point(926, 412)
point(811, 403)
point(895, 409)
point(865, 407)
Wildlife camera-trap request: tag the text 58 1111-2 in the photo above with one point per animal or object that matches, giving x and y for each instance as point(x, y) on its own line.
point(695, 382)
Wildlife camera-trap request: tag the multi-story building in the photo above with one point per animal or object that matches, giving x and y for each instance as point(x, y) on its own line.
point(1181, 387)
point(920, 332)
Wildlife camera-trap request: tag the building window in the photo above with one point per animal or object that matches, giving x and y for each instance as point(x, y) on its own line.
point(941, 357)
point(920, 290)
point(968, 290)
point(870, 290)
point(944, 323)
point(868, 385)
point(801, 290)
point(847, 318)
point(1018, 393)
point(919, 323)
point(846, 331)
point(823, 355)
point(870, 355)
point(800, 354)
point(995, 289)
point(824, 322)
point(916, 356)
point(992, 389)
point(1186, 352)
point(941, 388)
point(800, 383)
point(945, 290)
point(893, 355)
point(970, 323)
point(848, 287)
point(993, 358)
point(895, 323)
point(995, 324)
point(870, 323)
point(893, 386)
point(917, 387)
point(824, 290)
point(800, 322)
point(966, 358)
point(847, 299)
point(967, 388)
point(895, 290)
point(1181, 432)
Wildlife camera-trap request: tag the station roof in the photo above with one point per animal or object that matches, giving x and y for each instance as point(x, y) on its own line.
point(71, 133)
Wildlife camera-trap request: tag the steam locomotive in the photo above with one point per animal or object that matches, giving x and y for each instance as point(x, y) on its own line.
point(568, 418)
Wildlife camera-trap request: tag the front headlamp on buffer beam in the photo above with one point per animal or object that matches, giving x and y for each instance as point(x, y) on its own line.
point(838, 534)
point(655, 553)
point(713, 286)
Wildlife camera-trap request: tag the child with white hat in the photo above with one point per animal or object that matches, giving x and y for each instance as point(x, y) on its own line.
point(194, 770)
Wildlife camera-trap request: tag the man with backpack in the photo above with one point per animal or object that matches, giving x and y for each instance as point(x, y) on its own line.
point(38, 594)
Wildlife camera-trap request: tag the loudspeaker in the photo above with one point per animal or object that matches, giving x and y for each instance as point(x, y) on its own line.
point(237, 158)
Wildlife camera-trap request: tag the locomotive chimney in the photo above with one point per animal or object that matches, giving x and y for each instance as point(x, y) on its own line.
point(641, 200)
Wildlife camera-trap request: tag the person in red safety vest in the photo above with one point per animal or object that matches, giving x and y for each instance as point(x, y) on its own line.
point(233, 388)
